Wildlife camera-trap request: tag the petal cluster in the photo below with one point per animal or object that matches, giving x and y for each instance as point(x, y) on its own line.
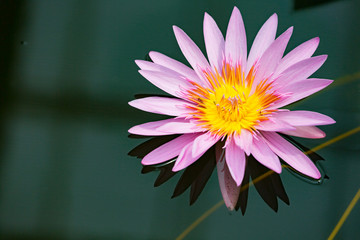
point(233, 102)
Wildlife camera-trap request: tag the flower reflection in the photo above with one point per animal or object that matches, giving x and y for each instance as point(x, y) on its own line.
point(228, 112)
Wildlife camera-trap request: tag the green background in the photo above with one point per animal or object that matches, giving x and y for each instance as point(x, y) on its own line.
point(67, 73)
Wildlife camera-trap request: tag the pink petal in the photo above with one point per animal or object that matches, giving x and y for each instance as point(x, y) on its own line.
point(271, 57)
point(161, 105)
point(179, 125)
point(146, 65)
point(167, 82)
point(301, 89)
point(290, 154)
point(306, 132)
point(214, 42)
point(168, 150)
point(172, 64)
point(203, 143)
point(235, 159)
point(274, 125)
point(301, 52)
point(304, 118)
point(263, 39)
point(229, 190)
point(159, 128)
point(182, 72)
point(150, 128)
point(264, 155)
point(191, 52)
point(186, 156)
point(235, 44)
point(301, 70)
point(244, 140)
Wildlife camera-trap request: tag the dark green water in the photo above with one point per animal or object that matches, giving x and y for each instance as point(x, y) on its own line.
point(68, 72)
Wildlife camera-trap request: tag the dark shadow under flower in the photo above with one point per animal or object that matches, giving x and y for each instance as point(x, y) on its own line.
point(266, 182)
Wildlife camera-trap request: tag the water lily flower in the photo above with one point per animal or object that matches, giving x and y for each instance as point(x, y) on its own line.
point(232, 103)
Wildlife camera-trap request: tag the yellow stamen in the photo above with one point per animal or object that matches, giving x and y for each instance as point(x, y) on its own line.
point(226, 105)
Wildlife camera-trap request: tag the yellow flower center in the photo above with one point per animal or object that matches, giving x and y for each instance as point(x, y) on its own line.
point(227, 104)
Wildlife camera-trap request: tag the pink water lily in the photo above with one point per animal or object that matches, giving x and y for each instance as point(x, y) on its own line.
point(234, 101)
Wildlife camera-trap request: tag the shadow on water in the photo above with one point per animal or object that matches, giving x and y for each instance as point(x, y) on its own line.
point(11, 15)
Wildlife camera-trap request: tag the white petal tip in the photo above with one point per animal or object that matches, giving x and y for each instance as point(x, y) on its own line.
point(131, 130)
point(144, 162)
point(140, 63)
point(152, 54)
point(278, 170)
point(176, 29)
point(235, 11)
point(319, 135)
point(230, 208)
point(238, 181)
point(316, 175)
point(274, 17)
point(176, 168)
point(329, 81)
point(331, 121)
point(131, 103)
point(323, 57)
point(313, 173)
point(137, 62)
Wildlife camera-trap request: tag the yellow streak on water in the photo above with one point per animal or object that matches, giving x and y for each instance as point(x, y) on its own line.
point(321, 146)
point(345, 215)
point(335, 139)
